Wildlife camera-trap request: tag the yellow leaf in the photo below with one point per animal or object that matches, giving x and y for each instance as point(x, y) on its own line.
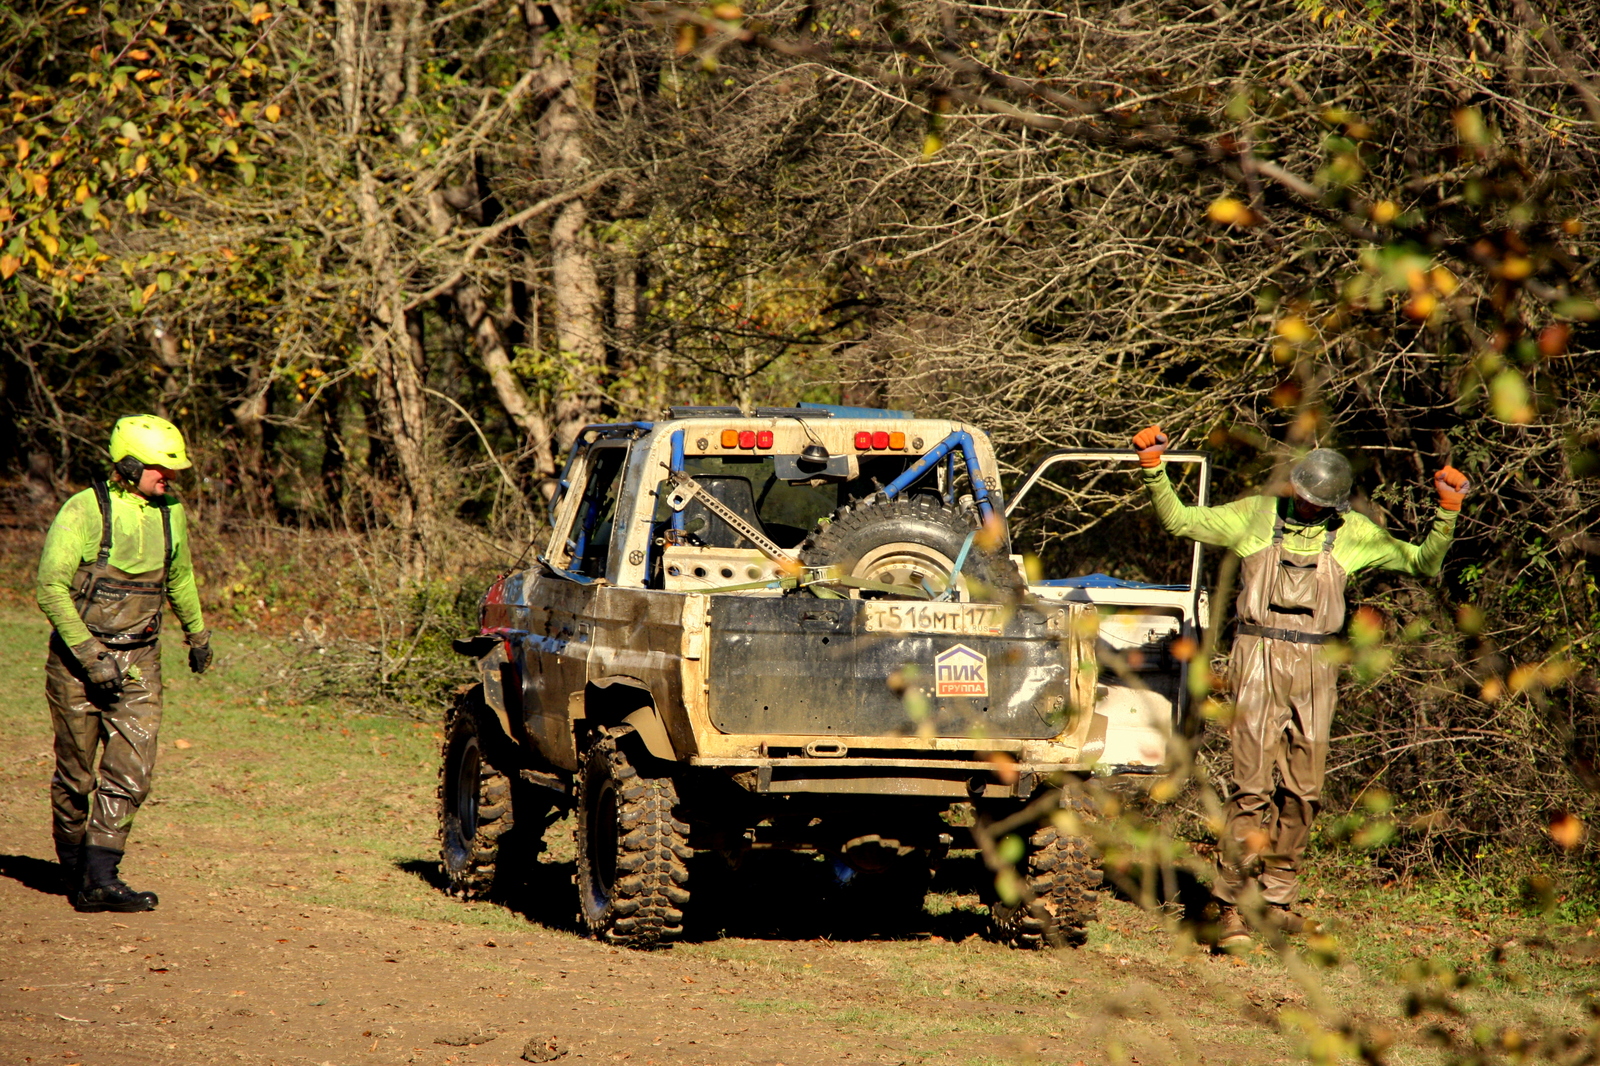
point(8, 266)
point(1228, 211)
point(1294, 329)
point(1523, 677)
point(1422, 305)
point(1444, 281)
point(272, 111)
point(259, 14)
point(41, 185)
point(1509, 397)
point(1385, 212)
point(149, 291)
point(51, 245)
point(141, 164)
point(931, 145)
point(23, 148)
point(1516, 267)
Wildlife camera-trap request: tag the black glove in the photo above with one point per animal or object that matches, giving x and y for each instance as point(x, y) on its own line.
point(99, 664)
point(199, 650)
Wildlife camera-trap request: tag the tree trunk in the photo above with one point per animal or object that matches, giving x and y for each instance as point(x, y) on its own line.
point(575, 282)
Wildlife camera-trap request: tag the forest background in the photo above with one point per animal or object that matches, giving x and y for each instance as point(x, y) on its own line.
point(382, 259)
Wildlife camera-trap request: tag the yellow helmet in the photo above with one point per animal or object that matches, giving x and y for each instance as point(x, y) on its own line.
point(152, 441)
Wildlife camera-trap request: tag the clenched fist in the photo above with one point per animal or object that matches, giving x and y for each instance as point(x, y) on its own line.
point(1151, 444)
point(1452, 486)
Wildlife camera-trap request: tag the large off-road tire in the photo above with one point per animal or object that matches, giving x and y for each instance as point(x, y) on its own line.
point(633, 852)
point(1064, 875)
point(909, 540)
point(479, 853)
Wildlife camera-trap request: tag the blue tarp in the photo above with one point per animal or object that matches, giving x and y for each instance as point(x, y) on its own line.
point(1106, 581)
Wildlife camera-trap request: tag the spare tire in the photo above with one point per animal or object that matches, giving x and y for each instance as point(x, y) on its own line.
point(909, 540)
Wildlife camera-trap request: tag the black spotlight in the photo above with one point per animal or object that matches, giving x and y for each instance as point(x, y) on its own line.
point(814, 455)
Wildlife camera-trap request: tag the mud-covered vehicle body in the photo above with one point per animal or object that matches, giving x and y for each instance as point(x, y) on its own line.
point(744, 634)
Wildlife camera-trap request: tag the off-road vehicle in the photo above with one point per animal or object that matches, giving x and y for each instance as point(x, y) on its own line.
point(800, 628)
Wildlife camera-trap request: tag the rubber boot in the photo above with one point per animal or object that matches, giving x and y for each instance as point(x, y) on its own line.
point(103, 890)
point(1286, 921)
point(70, 858)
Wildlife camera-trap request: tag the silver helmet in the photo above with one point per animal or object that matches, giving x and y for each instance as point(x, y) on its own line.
point(1323, 477)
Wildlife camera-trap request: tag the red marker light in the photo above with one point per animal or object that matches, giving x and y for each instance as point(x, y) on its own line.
point(880, 439)
point(747, 438)
point(863, 441)
point(764, 439)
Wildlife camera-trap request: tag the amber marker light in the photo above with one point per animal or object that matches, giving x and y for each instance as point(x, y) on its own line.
point(897, 441)
point(730, 438)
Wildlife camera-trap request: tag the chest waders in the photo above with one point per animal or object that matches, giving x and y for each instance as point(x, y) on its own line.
point(1289, 606)
point(122, 611)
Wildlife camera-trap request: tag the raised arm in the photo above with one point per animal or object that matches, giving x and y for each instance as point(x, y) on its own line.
point(1227, 526)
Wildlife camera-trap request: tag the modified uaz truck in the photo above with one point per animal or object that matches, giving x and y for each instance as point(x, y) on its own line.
point(799, 628)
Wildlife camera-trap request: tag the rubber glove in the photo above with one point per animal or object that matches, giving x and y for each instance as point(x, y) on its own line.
point(199, 650)
point(99, 665)
point(1452, 485)
point(1151, 444)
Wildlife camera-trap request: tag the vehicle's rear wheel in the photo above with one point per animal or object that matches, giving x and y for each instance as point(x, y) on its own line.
point(1064, 875)
point(910, 541)
point(633, 852)
point(480, 854)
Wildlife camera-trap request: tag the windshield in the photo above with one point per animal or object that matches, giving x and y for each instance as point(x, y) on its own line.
point(787, 511)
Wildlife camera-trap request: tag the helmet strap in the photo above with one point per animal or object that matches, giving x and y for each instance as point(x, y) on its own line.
point(130, 470)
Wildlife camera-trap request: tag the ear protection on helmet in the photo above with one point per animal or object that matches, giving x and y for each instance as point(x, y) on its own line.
point(129, 469)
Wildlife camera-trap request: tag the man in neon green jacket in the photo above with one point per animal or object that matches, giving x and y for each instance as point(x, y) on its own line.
point(114, 554)
point(1297, 554)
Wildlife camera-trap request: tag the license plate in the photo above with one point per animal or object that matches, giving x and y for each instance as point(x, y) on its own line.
point(968, 619)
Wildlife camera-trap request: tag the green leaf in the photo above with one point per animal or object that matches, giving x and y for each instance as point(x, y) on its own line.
point(1576, 307)
point(224, 97)
point(247, 170)
point(91, 208)
point(164, 281)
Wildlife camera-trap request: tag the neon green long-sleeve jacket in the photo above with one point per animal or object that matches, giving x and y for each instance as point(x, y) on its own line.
point(1245, 526)
point(137, 547)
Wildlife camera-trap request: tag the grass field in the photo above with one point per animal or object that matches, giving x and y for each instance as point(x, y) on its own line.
point(275, 823)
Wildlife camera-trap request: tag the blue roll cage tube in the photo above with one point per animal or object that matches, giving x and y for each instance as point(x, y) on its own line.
point(959, 439)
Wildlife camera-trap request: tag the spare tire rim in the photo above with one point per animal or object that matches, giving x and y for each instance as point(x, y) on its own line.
point(910, 564)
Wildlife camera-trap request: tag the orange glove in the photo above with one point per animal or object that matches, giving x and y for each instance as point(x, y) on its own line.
point(1452, 485)
point(1150, 443)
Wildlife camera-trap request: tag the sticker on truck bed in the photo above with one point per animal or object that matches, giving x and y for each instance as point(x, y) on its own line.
point(960, 671)
point(964, 619)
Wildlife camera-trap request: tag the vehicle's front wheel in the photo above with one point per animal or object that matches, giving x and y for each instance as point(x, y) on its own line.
point(633, 852)
point(1064, 875)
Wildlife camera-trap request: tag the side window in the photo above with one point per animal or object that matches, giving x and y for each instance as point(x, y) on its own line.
point(597, 514)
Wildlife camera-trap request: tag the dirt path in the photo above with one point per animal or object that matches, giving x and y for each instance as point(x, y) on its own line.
point(235, 975)
point(301, 924)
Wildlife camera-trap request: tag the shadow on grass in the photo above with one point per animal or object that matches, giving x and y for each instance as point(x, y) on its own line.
point(41, 875)
point(544, 895)
point(772, 896)
point(1177, 888)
